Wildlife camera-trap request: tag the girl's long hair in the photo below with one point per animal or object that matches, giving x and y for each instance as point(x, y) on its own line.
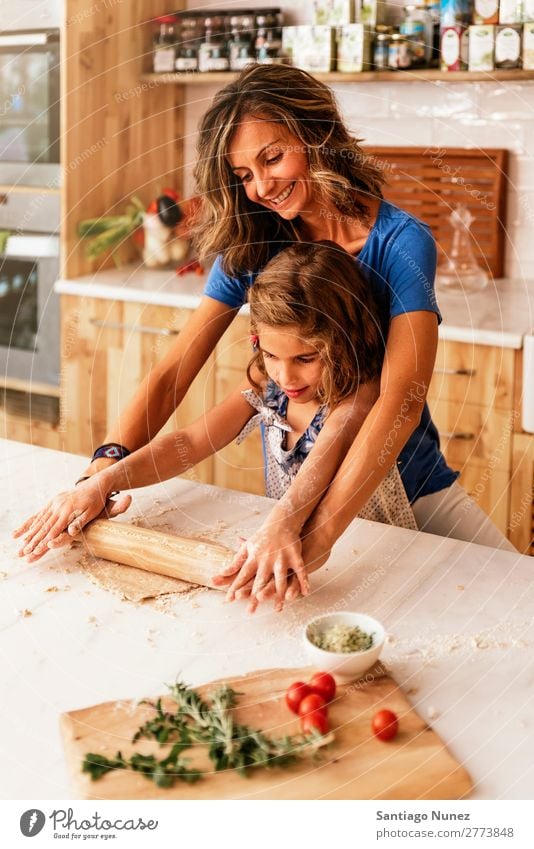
point(227, 222)
point(319, 290)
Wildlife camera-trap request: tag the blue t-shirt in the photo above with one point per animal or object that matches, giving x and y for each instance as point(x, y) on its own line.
point(399, 260)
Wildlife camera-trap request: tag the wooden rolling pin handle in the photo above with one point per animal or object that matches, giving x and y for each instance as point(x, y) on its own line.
point(195, 561)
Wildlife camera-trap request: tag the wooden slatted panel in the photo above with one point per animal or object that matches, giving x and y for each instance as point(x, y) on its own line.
point(430, 182)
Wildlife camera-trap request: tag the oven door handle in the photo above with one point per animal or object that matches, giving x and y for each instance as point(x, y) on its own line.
point(24, 39)
point(136, 328)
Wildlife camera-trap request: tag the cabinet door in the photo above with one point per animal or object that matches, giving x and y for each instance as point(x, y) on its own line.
point(471, 402)
point(108, 348)
point(521, 518)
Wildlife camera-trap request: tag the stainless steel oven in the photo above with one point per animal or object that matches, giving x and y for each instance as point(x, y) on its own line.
point(29, 94)
point(29, 308)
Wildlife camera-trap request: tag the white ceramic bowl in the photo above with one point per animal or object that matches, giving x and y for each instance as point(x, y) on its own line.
point(344, 666)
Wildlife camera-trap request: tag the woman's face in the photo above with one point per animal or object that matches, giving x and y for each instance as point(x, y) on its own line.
point(292, 362)
point(272, 165)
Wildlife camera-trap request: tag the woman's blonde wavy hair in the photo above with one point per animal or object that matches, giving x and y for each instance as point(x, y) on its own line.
point(227, 221)
point(319, 289)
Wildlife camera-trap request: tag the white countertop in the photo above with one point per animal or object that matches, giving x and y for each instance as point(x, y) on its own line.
point(500, 315)
point(460, 618)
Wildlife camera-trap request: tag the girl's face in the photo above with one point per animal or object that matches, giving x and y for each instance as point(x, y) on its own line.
point(272, 165)
point(292, 362)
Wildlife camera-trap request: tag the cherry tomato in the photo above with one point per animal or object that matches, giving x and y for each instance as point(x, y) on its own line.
point(324, 684)
point(295, 693)
point(314, 703)
point(385, 725)
point(316, 721)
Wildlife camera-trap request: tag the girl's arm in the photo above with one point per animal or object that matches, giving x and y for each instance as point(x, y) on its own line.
point(164, 387)
point(275, 549)
point(406, 374)
point(163, 458)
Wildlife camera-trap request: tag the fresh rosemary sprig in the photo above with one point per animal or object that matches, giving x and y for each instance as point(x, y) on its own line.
point(230, 745)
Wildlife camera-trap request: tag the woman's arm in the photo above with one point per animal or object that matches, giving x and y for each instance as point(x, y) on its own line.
point(163, 458)
point(276, 549)
point(164, 387)
point(406, 375)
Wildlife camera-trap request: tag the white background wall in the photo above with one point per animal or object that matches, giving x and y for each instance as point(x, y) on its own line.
point(429, 114)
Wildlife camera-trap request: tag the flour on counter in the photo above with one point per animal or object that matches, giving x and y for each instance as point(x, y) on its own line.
point(429, 648)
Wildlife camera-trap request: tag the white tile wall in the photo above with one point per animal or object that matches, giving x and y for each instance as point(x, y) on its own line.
point(437, 114)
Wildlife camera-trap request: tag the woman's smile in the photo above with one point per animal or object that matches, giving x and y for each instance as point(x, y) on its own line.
point(283, 196)
point(272, 166)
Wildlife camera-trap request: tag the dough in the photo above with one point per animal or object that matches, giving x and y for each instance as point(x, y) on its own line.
point(130, 583)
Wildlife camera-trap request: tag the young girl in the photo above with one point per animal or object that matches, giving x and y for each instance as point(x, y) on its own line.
point(318, 341)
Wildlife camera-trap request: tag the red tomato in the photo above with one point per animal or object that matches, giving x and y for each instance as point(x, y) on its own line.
point(295, 693)
point(316, 721)
point(314, 703)
point(324, 684)
point(385, 725)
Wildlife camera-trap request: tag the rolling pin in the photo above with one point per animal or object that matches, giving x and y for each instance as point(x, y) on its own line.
point(195, 561)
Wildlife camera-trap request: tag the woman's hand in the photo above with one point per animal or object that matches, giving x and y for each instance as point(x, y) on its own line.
point(64, 517)
point(263, 567)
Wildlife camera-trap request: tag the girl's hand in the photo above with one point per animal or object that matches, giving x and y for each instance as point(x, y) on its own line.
point(65, 516)
point(263, 563)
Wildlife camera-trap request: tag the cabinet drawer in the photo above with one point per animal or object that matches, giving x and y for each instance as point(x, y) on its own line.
point(238, 466)
point(477, 374)
point(474, 435)
point(234, 349)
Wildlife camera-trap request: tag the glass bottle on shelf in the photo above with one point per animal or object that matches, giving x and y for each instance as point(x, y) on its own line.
point(213, 52)
point(414, 29)
point(241, 41)
point(458, 270)
point(268, 42)
point(165, 44)
point(191, 33)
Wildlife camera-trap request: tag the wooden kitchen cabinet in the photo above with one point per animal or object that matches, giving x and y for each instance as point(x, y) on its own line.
point(108, 347)
point(471, 398)
point(521, 516)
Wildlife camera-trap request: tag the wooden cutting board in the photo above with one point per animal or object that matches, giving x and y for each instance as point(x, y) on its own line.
point(415, 765)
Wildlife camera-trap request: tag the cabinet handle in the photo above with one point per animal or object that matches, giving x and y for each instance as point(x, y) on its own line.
point(458, 434)
point(138, 328)
point(462, 372)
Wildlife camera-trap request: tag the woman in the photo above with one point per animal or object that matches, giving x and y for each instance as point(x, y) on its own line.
point(276, 165)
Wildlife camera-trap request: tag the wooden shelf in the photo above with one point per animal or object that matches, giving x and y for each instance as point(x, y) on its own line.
point(413, 76)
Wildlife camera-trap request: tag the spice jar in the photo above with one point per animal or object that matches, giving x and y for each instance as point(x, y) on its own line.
point(414, 28)
point(165, 44)
point(398, 53)
point(241, 41)
point(191, 33)
point(213, 52)
point(381, 47)
point(268, 44)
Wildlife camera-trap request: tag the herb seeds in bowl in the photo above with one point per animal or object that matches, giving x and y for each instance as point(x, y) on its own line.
point(346, 644)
